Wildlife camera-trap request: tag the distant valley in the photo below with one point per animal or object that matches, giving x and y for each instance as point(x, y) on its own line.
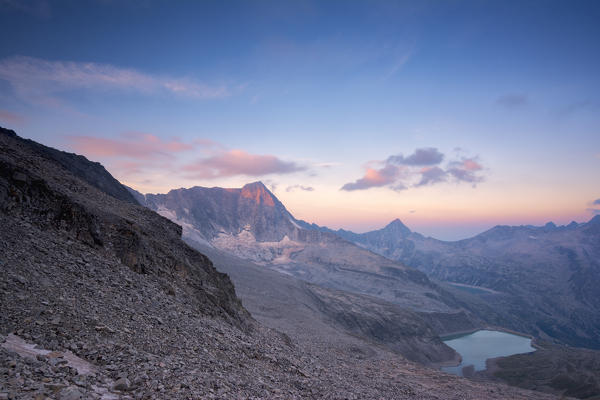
point(545, 277)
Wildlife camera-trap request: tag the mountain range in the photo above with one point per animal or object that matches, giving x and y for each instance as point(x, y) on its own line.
point(546, 276)
point(252, 224)
point(102, 299)
point(537, 280)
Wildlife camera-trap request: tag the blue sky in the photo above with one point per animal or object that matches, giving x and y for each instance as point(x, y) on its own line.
point(323, 95)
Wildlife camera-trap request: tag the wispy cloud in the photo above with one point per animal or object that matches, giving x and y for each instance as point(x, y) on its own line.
point(11, 118)
point(596, 202)
point(300, 187)
point(512, 100)
point(36, 80)
point(575, 107)
point(397, 66)
point(239, 162)
point(329, 164)
point(421, 168)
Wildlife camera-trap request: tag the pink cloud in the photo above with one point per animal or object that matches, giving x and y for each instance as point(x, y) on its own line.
point(374, 178)
point(471, 165)
point(10, 117)
point(421, 168)
point(131, 145)
point(239, 162)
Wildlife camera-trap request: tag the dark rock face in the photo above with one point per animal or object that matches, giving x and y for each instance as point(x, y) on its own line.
point(545, 278)
point(92, 173)
point(38, 189)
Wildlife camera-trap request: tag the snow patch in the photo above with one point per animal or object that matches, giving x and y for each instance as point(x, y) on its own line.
point(295, 224)
point(189, 231)
point(24, 349)
point(245, 245)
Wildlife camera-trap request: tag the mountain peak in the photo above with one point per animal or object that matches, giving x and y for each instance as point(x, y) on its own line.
point(397, 226)
point(258, 192)
point(550, 225)
point(258, 185)
point(595, 220)
point(8, 132)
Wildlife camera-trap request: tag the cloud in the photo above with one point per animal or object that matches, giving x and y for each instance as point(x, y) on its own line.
point(137, 153)
point(466, 170)
point(134, 145)
point(594, 211)
point(374, 178)
point(239, 162)
point(512, 100)
point(327, 164)
point(575, 107)
point(11, 118)
point(305, 188)
point(432, 175)
point(398, 64)
point(271, 184)
point(596, 202)
point(40, 81)
point(422, 168)
point(423, 156)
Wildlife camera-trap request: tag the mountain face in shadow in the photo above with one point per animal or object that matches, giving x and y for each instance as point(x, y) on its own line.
point(92, 173)
point(545, 277)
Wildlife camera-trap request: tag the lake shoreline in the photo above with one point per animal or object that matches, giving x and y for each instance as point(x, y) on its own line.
point(489, 362)
point(457, 334)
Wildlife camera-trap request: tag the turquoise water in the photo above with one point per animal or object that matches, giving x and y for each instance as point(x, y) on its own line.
point(477, 347)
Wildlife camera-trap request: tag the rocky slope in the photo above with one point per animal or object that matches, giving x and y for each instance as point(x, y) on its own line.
point(301, 309)
point(101, 299)
point(552, 368)
point(542, 280)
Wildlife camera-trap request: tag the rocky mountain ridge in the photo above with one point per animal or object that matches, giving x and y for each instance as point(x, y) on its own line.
point(546, 277)
point(251, 223)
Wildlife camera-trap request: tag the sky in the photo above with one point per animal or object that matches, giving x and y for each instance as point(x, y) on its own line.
point(453, 116)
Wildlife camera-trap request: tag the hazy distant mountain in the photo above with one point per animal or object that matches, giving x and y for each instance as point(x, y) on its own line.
point(251, 223)
point(547, 276)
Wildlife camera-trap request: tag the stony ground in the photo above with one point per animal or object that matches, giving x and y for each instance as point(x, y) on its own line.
point(100, 299)
point(147, 341)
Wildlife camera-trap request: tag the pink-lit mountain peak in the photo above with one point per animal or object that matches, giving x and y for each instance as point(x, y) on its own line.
point(259, 193)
